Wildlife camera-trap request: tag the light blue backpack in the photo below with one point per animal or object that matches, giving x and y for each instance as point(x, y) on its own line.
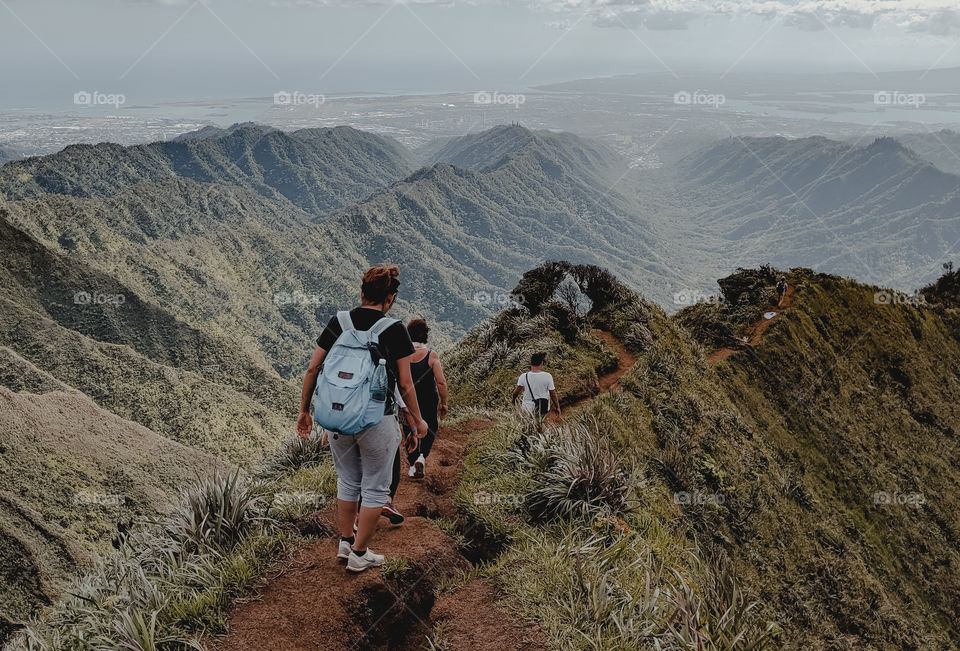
point(352, 389)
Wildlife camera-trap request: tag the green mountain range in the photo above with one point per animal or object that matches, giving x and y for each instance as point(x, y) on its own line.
point(159, 303)
point(942, 148)
point(813, 474)
point(878, 212)
point(317, 170)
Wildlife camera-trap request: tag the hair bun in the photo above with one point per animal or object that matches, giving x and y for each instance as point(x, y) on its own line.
point(380, 282)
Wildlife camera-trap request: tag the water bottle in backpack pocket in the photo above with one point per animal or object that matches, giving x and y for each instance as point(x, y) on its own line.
point(351, 389)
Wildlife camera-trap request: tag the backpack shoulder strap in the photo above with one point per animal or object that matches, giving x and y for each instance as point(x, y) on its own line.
point(526, 376)
point(346, 323)
point(379, 327)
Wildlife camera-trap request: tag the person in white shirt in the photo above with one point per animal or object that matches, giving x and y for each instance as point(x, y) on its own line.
point(537, 389)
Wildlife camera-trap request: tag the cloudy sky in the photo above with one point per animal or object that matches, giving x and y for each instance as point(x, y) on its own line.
point(187, 49)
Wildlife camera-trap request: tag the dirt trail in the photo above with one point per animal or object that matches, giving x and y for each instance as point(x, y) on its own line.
point(755, 331)
point(608, 381)
point(315, 604)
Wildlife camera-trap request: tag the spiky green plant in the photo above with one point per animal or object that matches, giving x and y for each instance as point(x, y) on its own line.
point(296, 453)
point(216, 512)
point(575, 475)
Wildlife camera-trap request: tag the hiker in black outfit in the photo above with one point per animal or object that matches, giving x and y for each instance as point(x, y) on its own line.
point(431, 388)
point(781, 289)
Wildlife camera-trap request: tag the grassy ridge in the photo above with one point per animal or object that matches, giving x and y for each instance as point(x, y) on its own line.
point(64, 494)
point(317, 170)
point(171, 579)
point(762, 481)
point(857, 402)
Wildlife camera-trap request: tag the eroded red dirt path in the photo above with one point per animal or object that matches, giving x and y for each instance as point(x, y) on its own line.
point(315, 604)
point(608, 381)
point(755, 331)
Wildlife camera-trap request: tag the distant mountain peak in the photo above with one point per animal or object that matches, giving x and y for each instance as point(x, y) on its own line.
point(513, 144)
point(211, 132)
point(890, 145)
point(317, 170)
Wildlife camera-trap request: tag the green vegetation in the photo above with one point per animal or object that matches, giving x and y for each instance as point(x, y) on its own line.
point(598, 574)
point(766, 502)
point(170, 580)
point(944, 293)
point(65, 496)
point(173, 577)
point(485, 366)
point(876, 211)
point(317, 170)
point(936, 147)
point(214, 255)
point(395, 568)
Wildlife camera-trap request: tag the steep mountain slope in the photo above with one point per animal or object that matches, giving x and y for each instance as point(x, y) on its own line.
point(224, 260)
point(502, 145)
point(521, 207)
point(212, 132)
point(877, 212)
point(229, 261)
point(942, 148)
point(7, 154)
point(72, 471)
point(317, 170)
point(857, 401)
point(195, 408)
point(97, 305)
point(97, 335)
point(815, 474)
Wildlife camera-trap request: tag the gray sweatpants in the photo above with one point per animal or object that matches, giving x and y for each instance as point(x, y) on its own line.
point(364, 462)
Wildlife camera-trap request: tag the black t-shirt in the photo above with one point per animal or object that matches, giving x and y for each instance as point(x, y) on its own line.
point(394, 341)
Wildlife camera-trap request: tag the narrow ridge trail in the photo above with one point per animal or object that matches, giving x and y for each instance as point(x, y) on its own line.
point(313, 603)
point(608, 381)
point(755, 331)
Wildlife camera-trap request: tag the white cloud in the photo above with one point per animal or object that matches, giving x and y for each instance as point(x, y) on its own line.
point(934, 16)
point(939, 23)
point(364, 3)
point(815, 21)
point(938, 17)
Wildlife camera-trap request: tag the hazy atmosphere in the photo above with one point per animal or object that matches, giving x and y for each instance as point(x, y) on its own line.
point(441, 324)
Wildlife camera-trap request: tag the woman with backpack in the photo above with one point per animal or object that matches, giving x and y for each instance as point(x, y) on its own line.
point(360, 357)
point(431, 387)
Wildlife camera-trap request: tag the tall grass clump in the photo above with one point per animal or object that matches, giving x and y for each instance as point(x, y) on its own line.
point(171, 578)
point(632, 591)
point(296, 453)
point(576, 475)
point(592, 553)
point(216, 512)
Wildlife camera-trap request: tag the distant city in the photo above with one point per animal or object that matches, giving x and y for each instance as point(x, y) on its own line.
point(631, 113)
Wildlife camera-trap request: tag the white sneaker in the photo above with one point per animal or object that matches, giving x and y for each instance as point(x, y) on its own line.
point(344, 552)
point(360, 563)
point(418, 467)
point(411, 472)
